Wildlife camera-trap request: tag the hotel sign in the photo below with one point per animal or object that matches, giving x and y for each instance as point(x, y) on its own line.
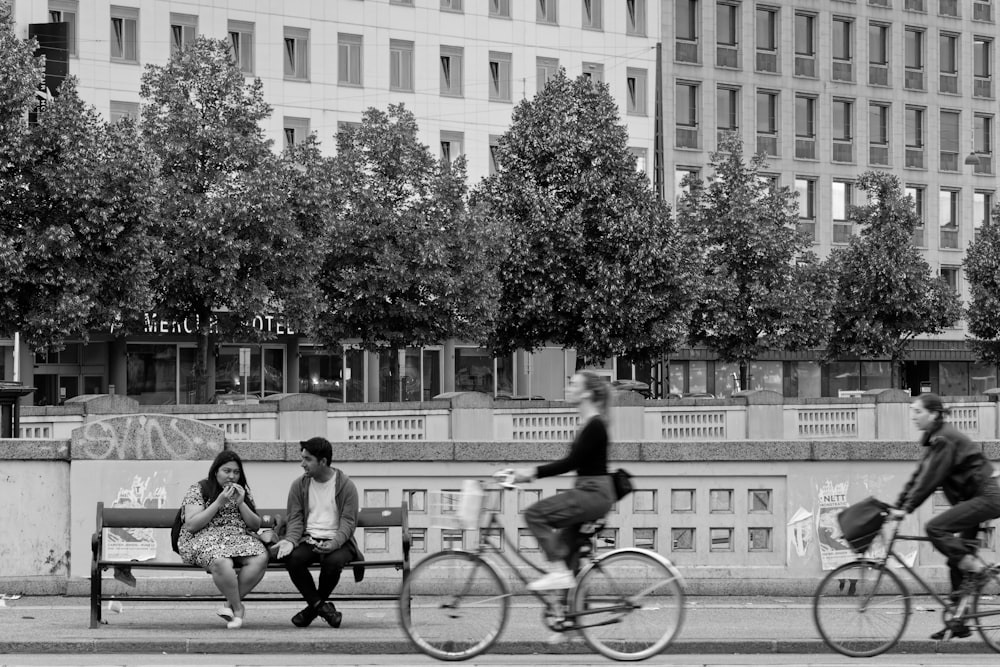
point(271, 324)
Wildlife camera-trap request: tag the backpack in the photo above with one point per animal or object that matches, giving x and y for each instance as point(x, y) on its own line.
point(175, 530)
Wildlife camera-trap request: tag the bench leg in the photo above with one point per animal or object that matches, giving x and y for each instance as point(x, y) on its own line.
point(95, 597)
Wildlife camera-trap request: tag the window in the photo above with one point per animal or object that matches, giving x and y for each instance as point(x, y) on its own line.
point(349, 59)
point(878, 133)
point(681, 177)
point(545, 69)
point(767, 39)
point(914, 61)
point(241, 45)
point(805, 127)
point(720, 539)
point(982, 208)
point(66, 11)
point(183, 29)
point(720, 501)
point(914, 137)
point(982, 67)
point(545, 11)
point(759, 501)
point(950, 275)
point(124, 34)
point(295, 130)
point(593, 14)
point(500, 8)
point(843, 130)
point(594, 72)
point(635, 84)
point(878, 54)
point(758, 539)
point(641, 157)
point(400, 65)
point(805, 45)
point(841, 197)
point(948, 217)
point(451, 5)
point(452, 145)
point(682, 539)
point(686, 26)
point(121, 110)
point(843, 49)
point(806, 190)
point(499, 77)
point(983, 143)
point(296, 53)
point(948, 63)
point(948, 133)
point(726, 35)
point(407, 3)
point(682, 501)
point(635, 17)
point(916, 193)
point(686, 101)
point(767, 122)
point(727, 106)
point(494, 154)
point(451, 70)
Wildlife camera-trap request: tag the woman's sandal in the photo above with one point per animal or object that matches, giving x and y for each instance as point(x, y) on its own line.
point(225, 613)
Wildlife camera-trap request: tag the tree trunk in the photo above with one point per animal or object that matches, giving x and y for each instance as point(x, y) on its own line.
point(744, 375)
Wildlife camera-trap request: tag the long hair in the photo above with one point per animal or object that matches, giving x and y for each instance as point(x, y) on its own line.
point(214, 488)
point(599, 389)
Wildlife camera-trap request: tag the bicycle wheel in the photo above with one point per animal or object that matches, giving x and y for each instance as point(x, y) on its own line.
point(987, 603)
point(629, 604)
point(454, 605)
point(861, 609)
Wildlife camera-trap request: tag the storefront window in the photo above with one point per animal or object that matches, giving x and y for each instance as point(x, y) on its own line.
point(844, 376)
point(227, 371)
point(809, 379)
point(474, 371)
point(152, 374)
point(766, 375)
point(321, 372)
point(355, 375)
point(953, 378)
point(876, 375)
point(982, 377)
point(726, 376)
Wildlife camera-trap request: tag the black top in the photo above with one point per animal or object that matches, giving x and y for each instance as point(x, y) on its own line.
point(588, 454)
point(950, 461)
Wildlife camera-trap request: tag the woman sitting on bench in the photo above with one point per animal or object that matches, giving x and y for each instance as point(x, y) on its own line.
point(219, 514)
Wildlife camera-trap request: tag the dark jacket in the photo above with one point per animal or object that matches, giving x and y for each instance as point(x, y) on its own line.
point(950, 461)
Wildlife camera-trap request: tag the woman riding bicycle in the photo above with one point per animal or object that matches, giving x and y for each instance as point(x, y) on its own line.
point(554, 520)
point(957, 465)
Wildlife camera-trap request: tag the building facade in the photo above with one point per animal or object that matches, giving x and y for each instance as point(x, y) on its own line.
point(827, 88)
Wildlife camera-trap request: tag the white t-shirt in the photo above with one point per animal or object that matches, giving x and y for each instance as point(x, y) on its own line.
point(324, 518)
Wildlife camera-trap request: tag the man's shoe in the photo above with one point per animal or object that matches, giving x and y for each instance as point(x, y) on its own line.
point(553, 581)
point(305, 617)
point(330, 614)
point(958, 631)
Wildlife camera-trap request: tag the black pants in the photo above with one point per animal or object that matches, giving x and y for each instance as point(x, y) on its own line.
point(331, 565)
point(950, 529)
point(554, 520)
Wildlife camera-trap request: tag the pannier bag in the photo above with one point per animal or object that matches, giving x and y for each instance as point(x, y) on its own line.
point(861, 522)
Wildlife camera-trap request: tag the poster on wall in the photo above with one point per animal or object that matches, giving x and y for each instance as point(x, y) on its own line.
point(833, 549)
point(126, 544)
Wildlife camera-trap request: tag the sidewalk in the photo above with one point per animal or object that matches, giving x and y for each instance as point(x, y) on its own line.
point(713, 625)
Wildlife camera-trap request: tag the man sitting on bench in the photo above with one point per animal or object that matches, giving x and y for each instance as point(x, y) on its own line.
point(322, 515)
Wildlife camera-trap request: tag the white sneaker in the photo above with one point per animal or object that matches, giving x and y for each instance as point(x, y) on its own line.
point(553, 581)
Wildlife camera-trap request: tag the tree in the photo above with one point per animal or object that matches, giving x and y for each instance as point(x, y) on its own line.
point(595, 260)
point(76, 254)
point(764, 289)
point(238, 240)
point(886, 294)
point(982, 270)
point(405, 264)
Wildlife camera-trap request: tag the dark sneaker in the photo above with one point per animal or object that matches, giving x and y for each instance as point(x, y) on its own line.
point(305, 617)
point(330, 614)
point(958, 631)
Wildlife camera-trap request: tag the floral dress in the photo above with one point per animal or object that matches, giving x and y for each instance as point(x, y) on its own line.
point(225, 536)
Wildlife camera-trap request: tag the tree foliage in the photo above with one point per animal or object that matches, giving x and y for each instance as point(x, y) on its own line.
point(75, 252)
point(982, 270)
point(595, 260)
point(238, 225)
point(886, 294)
point(764, 289)
point(405, 264)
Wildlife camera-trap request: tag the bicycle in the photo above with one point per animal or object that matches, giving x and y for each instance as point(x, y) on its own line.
point(861, 608)
point(628, 604)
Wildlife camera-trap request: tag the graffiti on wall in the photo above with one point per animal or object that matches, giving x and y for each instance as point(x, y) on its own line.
point(147, 437)
point(800, 533)
point(833, 548)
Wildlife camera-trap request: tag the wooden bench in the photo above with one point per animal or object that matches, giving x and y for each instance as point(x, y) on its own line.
point(122, 517)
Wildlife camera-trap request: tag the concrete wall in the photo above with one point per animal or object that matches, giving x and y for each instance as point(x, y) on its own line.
point(758, 511)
